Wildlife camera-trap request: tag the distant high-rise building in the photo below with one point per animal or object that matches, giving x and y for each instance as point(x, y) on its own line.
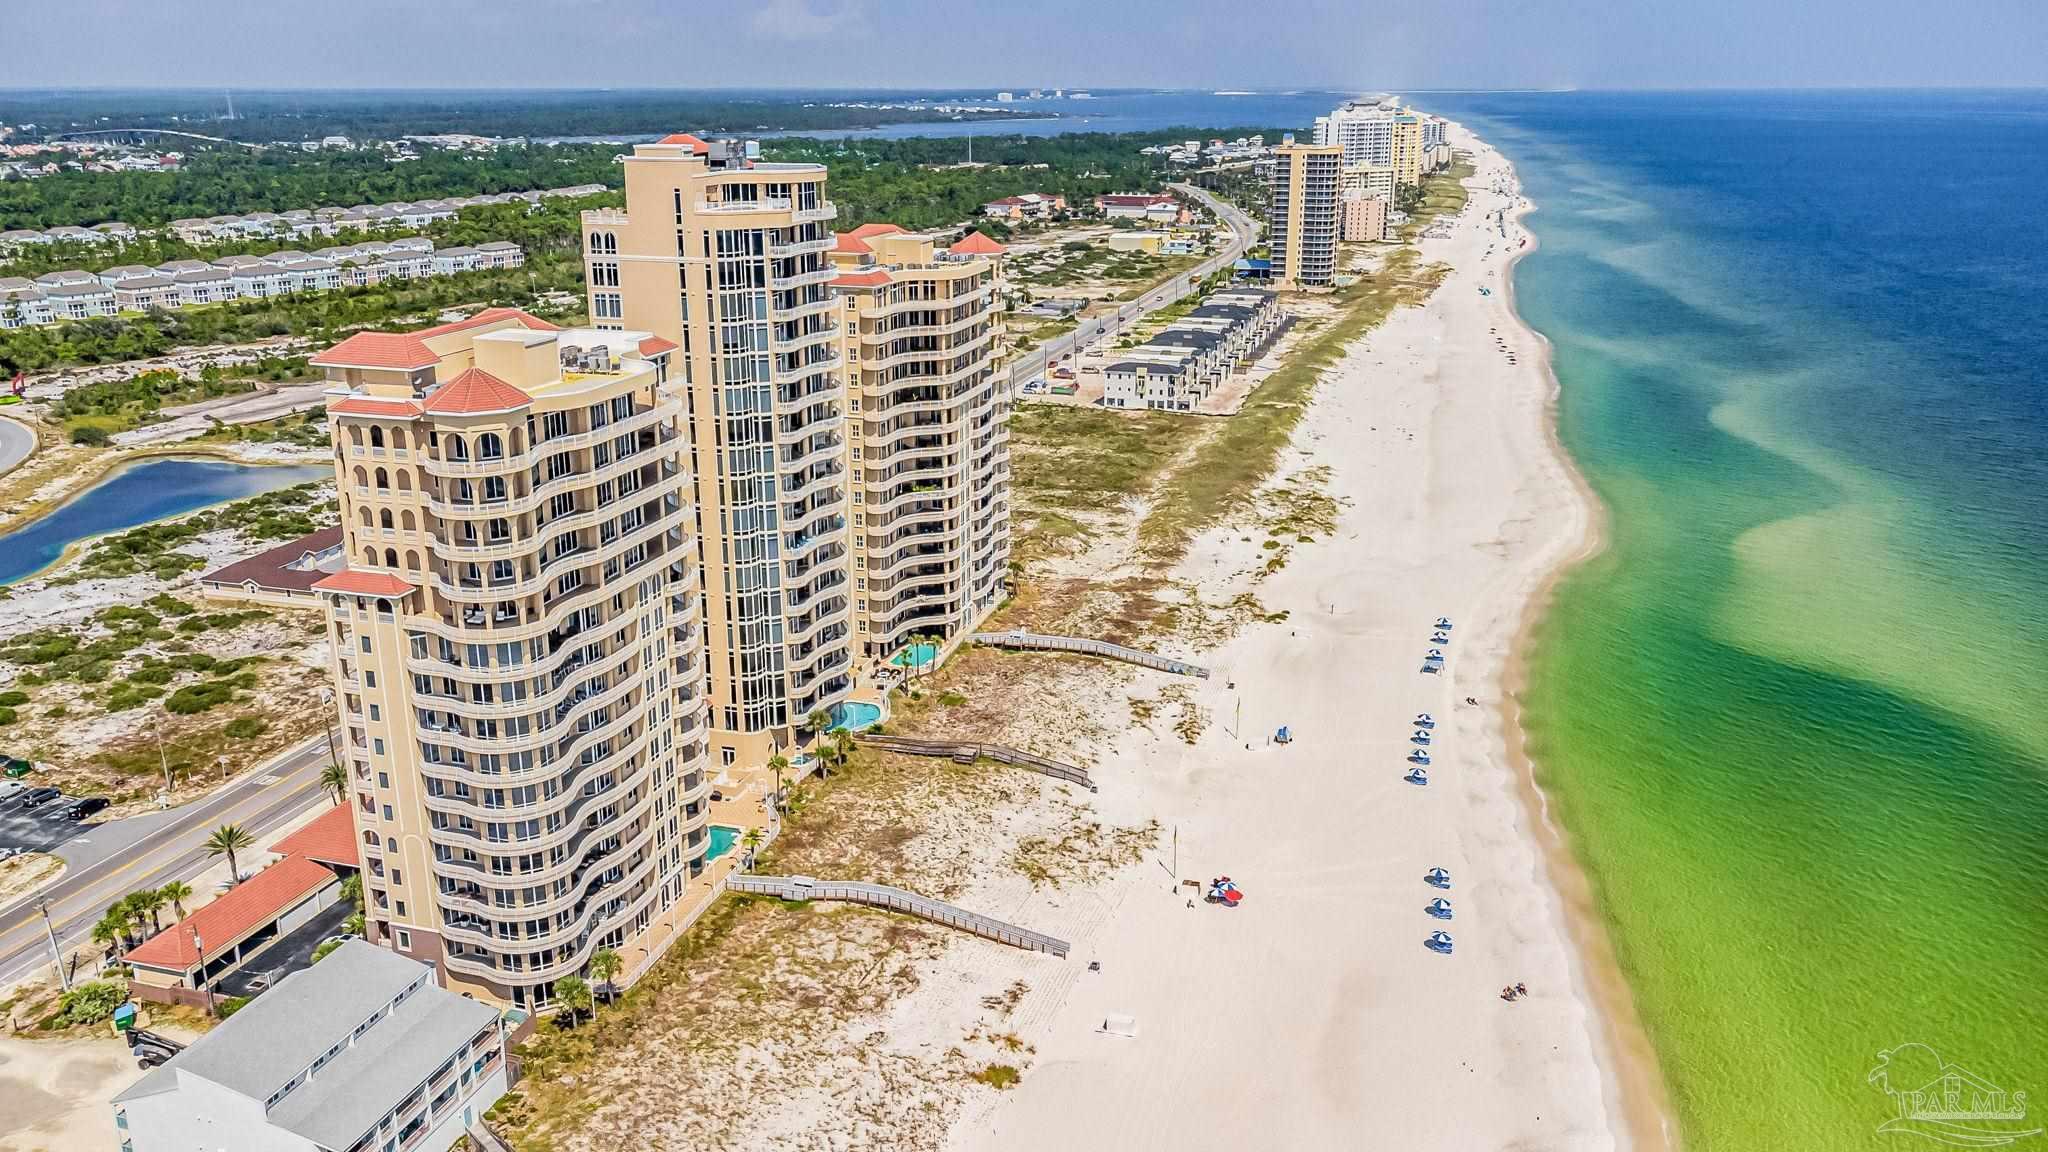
point(1303, 224)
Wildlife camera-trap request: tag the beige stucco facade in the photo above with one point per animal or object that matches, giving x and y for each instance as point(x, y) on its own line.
point(1303, 223)
point(726, 257)
point(517, 657)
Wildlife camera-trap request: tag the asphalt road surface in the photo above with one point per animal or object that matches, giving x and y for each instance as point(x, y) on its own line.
point(16, 442)
point(108, 861)
point(1095, 329)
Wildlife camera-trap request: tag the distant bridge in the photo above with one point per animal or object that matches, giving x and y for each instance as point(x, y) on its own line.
point(149, 135)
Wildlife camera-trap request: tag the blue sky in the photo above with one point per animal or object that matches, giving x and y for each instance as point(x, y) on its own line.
point(1409, 45)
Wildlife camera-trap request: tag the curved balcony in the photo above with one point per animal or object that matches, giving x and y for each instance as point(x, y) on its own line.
point(631, 808)
point(804, 629)
point(668, 453)
point(880, 440)
point(945, 553)
point(550, 617)
point(883, 335)
point(559, 733)
point(592, 933)
point(803, 279)
point(467, 907)
point(938, 304)
point(535, 453)
point(822, 365)
point(822, 306)
point(569, 774)
point(791, 248)
point(927, 355)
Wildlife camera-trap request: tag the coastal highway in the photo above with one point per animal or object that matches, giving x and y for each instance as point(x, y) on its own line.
point(16, 442)
point(113, 859)
point(1095, 329)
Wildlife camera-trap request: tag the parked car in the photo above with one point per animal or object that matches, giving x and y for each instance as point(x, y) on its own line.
point(9, 789)
point(80, 809)
point(39, 796)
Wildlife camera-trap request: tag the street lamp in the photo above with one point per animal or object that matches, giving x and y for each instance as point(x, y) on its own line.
point(205, 985)
point(56, 953)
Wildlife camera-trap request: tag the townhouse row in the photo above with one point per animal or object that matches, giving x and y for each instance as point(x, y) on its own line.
point(74, 294)
point(1176, 369)
point(297, 222)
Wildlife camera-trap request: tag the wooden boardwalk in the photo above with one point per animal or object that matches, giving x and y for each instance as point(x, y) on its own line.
point(1035, 641)
point(898, 900)
point(967, 752)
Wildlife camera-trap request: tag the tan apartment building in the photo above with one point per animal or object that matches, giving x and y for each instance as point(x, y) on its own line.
point(1302, 224)
point(1365, 217)
point(517, 656)
point(726, 256)
point(1408, 157)
point(929, 433)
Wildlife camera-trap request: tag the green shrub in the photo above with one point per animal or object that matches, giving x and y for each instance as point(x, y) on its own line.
point(196, 698)
point(90, 1003)
point(7, 716)
point(246, 727)
point(12, 698)
point(89, 435)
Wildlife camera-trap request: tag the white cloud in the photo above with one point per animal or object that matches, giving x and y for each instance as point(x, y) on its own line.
point(809, 19)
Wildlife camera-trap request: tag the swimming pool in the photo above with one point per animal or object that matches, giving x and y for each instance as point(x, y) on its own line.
point(723, 837)
point(915, 656)
point(855, 716)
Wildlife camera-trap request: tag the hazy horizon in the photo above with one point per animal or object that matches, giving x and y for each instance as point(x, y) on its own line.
point(955, 45)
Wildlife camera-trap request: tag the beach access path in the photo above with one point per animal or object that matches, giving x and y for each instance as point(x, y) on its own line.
point(1312, 1016)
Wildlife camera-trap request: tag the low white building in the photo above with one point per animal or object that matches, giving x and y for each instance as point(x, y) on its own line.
point(362, 1052)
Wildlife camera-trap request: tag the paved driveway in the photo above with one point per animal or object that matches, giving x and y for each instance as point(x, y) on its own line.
point(286, 954)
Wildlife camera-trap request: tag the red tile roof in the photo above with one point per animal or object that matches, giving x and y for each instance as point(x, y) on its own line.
point(655, 346)
point(696, 145)
point(1134, 200)
point(243, 909)
point(397, 350)
point(474, 393)
point(848, 242)
point(355, 582)
point(270, 569)
point(976, 244)
point(329, 839)
point(867, 230)
point(861, 279)
point(526, 320)
point(370, 406)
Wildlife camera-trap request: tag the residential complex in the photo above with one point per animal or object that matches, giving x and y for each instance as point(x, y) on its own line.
point(1365, 217)
point(1302, 220)
point(1177, 368)
point(516, 649)
point(359, 1053)
point(1385, 135)
point(78, 295)
point(929, 435)
point(793, 442)
point(1029, 206)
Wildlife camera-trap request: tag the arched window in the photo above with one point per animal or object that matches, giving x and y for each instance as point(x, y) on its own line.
point(383, 605)
point(362, 477)
point(383, 481)
point(405, 480)
point(384, 519)
point(490, 446)
point(369, 557)
point(366, 517)
point(398, 437)
point(390, 559)
point(412, 560)
point(457, 450)
point(406, 521)
point(355, 435)
point(376, 437)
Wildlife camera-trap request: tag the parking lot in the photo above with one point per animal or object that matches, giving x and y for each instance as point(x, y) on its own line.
point(38, 829)
point(285, 955)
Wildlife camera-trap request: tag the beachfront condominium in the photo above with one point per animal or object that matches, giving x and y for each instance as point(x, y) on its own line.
point(1381, 134)
point(929, 434)
point(727, 256)
point(1303, 220)
point(846, 430)
point(517, 656)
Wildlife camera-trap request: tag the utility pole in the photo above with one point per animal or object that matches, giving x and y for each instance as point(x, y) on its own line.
point(205, 984)
point(56, 953)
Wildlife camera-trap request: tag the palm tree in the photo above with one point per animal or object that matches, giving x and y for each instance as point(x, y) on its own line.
point(842, 748)
point(111, 932)
point(604, 965)
point(818, 721)
point(334, 778)
point(352, 889)
point(751, 841)
point(573, 995)
point(150, 901)
point(130, 913)
point(177, 892)
point(227, 840)
point(778, 764)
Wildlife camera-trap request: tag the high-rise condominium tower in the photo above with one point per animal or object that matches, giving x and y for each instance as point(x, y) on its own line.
point(728, 257)
point(1303, 221)
point(517, 656)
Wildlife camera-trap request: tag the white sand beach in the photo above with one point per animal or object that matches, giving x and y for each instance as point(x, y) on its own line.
point(1313, 1016)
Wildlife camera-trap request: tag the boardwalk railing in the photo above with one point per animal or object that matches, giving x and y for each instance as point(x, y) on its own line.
point(898, 900)
point(967, 752)
point(1033, 640)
